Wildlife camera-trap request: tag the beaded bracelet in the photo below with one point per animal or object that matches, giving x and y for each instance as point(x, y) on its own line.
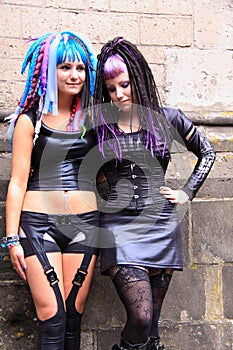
point(12, 245)
point(10, 242)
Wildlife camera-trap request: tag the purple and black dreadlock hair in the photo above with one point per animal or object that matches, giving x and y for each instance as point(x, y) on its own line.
point(118, 56)
point(42, 58)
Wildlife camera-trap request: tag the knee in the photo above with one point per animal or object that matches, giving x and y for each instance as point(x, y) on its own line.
point(142, 323)
point(137, 330)
point(46, 311)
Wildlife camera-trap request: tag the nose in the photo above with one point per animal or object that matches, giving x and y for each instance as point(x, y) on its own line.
point(119, 92)
point(74, 73)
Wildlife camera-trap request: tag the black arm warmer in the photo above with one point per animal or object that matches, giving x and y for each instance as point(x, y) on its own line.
point(206, 157)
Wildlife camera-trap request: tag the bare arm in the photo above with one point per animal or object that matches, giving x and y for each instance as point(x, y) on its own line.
point(21, 160)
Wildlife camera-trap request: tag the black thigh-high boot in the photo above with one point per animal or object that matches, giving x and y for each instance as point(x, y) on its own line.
point(52, 331)
point(72, 335)
point(73, 317)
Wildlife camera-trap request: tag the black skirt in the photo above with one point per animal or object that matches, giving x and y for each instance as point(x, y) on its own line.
point(141, 237)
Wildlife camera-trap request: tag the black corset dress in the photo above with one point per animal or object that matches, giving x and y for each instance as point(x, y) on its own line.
point(139, 226)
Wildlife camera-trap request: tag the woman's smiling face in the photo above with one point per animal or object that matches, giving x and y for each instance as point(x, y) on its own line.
point(71, 77)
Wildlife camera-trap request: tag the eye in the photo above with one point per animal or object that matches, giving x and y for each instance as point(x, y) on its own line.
point(64, 67)
point(111, 89)
point(125, 84)
point(80, 68)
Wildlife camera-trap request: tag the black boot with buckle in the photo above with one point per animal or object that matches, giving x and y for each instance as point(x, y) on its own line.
point(126, 346)
point(154, 344)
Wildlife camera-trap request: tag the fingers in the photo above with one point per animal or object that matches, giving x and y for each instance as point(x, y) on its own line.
point(20, 270)
point(165, 189)
point(174, 196)
point(168, 193)
point(18, 262)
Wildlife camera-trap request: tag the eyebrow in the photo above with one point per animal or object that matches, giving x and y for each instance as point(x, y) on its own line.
point(80, 64)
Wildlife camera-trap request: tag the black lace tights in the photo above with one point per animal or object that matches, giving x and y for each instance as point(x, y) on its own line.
point(142, 294)
point(159, 280)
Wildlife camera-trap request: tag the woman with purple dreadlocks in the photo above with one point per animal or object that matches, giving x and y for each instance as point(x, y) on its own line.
point(139, 223)
point(51, 212)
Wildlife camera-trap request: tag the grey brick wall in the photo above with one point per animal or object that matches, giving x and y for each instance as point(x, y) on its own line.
point(188, 44)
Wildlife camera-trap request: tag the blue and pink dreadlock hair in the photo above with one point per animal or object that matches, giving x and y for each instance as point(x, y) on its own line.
point(42, 58)
point(118, 56)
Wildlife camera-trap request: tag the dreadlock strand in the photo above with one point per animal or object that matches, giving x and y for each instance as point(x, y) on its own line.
point(44, 66)
point(26, 97)
point(35, 82)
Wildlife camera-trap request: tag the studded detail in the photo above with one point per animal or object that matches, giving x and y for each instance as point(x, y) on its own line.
point(154, 344)
point(128, 347)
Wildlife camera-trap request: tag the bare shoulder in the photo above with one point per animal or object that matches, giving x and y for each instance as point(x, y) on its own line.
point(24, 124)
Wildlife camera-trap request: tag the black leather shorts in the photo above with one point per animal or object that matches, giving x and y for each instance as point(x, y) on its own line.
point(59, 233)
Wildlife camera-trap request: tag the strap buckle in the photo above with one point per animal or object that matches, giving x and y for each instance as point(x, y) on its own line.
point(63, 220)
point(79, 277)
point(51, 276)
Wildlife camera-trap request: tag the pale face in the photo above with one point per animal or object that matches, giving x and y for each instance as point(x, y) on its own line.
point(71, 77)
point(120, 92)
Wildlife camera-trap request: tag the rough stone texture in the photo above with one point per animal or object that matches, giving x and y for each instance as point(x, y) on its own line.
point(17, 314)
point(227, 291)
point(204, 86)
point(164, 30)
point(210, 236)
point(188, 45)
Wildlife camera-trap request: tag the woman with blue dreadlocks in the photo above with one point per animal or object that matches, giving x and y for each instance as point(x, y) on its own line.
point(51, 212)
point(139, 224)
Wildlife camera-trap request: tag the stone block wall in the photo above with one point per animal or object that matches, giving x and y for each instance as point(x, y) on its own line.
point(188, 44)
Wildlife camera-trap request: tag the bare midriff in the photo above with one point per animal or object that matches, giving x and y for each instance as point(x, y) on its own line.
point(60, 202)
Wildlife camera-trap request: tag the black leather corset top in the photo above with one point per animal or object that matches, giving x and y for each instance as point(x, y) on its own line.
point(57, 160)
point(135, 181)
